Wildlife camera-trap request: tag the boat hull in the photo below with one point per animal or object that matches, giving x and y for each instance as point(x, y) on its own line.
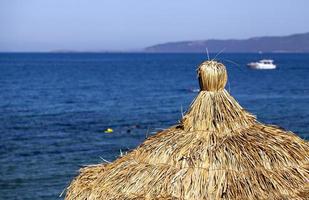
point(261, 66)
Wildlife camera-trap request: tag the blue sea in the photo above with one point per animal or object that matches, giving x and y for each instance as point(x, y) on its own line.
point(54, 108)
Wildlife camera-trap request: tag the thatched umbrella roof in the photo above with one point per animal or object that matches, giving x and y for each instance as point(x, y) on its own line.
point(217, 151)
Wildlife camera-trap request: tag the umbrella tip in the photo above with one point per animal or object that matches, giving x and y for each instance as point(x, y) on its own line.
point(212, 76)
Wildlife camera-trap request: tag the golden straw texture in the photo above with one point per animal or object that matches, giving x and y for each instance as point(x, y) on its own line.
point(217, 151)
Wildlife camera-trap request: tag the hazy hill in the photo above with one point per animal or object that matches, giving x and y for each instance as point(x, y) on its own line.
point(291, 43)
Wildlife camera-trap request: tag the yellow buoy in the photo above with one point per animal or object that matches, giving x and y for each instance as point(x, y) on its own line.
point(109, 130)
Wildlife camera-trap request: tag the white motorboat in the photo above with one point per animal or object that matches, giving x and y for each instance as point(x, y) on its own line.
point(262, 64)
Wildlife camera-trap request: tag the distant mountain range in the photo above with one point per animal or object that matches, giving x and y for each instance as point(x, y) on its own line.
point(277, 44)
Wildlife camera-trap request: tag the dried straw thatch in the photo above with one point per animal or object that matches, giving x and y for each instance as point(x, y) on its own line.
point(218, 151)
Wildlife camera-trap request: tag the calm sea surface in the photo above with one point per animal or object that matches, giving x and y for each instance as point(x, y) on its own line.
point(54, 108)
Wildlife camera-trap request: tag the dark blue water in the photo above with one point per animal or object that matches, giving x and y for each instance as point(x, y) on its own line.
point(54, 108)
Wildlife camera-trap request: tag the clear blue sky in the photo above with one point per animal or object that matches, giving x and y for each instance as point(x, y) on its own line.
point(43, 25)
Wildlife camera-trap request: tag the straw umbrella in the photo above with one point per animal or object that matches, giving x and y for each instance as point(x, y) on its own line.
point(217, 151)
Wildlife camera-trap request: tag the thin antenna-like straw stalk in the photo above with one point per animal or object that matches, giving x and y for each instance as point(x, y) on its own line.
point(207, 54)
